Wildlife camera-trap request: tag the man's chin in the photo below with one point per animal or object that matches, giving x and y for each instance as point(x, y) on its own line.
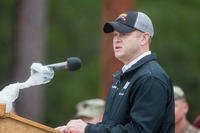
point(119, 57)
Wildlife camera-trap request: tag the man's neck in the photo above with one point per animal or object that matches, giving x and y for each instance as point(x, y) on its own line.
point(180, 125)
point(127, 66)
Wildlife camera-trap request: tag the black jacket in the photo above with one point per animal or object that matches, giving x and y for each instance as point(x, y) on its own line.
point(140, 101)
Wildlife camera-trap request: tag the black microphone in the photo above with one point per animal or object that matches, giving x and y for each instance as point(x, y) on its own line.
point(72, 64)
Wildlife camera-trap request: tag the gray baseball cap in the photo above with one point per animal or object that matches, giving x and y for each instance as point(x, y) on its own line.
point(130, 21)
point(178, 93)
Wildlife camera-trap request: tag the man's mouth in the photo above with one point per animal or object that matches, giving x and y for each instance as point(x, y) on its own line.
point(118, 47)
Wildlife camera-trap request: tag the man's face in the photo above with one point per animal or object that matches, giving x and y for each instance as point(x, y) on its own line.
point(126, 46)
point(181, 109)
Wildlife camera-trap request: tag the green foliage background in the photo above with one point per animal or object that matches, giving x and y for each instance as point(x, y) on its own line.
point(6, 24)
point(75, 29)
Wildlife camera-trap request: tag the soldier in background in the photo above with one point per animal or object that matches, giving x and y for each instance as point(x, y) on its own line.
point(182, 125)
point(91, 111)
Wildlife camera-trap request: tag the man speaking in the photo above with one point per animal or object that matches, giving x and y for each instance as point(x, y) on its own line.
point(141, 97)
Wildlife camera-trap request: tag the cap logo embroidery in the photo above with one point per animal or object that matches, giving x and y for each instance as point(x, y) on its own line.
point(122, 17)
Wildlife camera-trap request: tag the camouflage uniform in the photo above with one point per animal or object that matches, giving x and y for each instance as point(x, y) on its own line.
point(190, 129)
point(179, 94)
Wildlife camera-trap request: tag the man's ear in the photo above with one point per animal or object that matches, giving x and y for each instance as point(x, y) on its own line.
point(186, 107)
point(145, 38)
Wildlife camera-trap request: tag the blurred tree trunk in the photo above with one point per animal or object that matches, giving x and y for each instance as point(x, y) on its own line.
point(109, 64)
point(29, 47)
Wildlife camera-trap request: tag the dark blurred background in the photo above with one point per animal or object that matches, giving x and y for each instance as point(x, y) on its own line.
point(49, 31)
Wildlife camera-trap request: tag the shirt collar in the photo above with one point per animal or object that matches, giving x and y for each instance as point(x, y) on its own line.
point(126, 67)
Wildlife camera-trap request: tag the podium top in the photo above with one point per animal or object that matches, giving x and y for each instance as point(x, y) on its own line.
point(2, 109)
point(8, 119)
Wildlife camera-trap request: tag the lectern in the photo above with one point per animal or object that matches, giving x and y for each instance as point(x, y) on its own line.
point(10, 123)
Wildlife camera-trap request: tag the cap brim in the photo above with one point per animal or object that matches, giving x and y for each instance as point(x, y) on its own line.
point(111, 26)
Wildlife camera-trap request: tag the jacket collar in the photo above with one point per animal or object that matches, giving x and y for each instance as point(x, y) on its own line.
point(142, 61)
